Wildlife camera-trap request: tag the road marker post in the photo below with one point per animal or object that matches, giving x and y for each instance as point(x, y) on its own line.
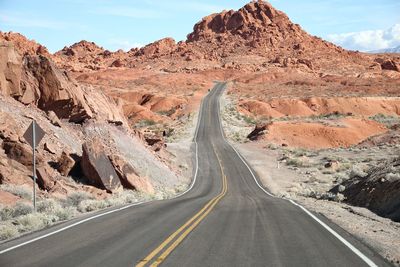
point(33, 135)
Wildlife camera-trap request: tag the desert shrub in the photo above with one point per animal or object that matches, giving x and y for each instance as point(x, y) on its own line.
point(167, 112)
point(272, 146)
point(248, 120)
point(297, 162)
point(340, 177)
point(52, 207)
point(145, 122)
point(21, 209)
point(8, 231)
point(343, 167)
point(30, 222)
point(129, 196)
point(392, 176)
point(88, 205)
point(385, 119)
point(47, 206)
point(18, 190)
point(299, 152)
point(6, 213)
point(65, 213)
point(76, 198)
point(329, 116)
point(357, 172)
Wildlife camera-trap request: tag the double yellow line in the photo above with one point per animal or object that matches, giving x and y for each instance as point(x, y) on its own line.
point(179, 235)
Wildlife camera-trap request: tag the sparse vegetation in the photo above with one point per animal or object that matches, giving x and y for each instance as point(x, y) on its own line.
point(18, 190)
point(21, 219)
point(167, 112)
point(386, 120)
point(145, 123)
point(248, 120)
point(298, 162)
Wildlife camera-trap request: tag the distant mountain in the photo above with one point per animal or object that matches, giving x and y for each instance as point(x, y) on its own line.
point(387, 50)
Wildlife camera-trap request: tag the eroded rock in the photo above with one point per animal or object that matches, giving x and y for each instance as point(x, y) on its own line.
point(128, 176)
point(65, 164)
point(97, 167)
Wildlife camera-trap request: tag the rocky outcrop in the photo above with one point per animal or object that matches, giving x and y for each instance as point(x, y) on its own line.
point(160, 47)
point(36, 80)
point(378, 190)
point(129, 177)
point(259, 131)
point(23, 45)
point(55, 90)
point(390, 65)
point(156, 142)
point(10, 70)
point(253, 18)
point(97, 167)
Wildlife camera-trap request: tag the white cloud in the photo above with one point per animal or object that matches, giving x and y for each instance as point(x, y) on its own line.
point(368, 40)
point(125, 45)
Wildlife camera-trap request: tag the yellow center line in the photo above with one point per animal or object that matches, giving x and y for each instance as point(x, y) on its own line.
point(192, 223)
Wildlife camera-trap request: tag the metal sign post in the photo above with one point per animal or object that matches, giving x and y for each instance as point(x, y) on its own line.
point(34, 163)
point(33, 136)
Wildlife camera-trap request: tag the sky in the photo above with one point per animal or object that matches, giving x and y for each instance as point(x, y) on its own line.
point(122, 24)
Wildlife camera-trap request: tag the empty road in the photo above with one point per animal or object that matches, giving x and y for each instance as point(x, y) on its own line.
point(226, 219)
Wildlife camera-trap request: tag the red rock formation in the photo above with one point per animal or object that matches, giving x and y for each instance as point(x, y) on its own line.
point(36, 80)
point(23, 45)
point(97, 167)
point(161, 47)
point(10, 70)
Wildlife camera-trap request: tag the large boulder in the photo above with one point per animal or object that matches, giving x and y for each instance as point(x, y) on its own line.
point(65, 164)
point(44, 180)
point(97, 167)
point(21, 153)
point(10, 70)
point(128, 176)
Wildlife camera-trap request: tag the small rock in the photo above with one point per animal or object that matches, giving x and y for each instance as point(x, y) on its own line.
point(50, 148)
point(53, 118)
point(341, 188)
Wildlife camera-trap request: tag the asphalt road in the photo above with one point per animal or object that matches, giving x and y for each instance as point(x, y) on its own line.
point(226, 219)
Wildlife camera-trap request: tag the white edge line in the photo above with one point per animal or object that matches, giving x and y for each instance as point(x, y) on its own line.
point(338, 236)
point(368, 261)
point(69, 226)
point(121, 208)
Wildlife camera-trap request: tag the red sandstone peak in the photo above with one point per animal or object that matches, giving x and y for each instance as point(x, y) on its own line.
point(253, 17)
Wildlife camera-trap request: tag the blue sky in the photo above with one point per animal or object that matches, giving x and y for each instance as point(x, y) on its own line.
point(113, 24)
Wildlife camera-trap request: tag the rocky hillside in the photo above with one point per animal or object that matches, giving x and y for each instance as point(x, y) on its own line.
point(87, 138)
